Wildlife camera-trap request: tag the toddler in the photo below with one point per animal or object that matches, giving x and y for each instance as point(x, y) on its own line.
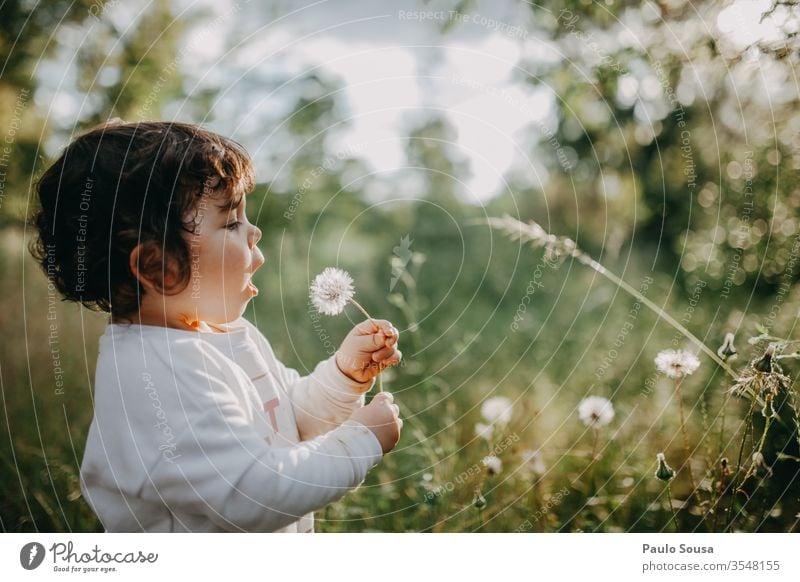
point(197, 425)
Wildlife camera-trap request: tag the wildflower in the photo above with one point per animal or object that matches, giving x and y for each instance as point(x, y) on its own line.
point(664, 471)
point(676, 363)
point(484, 431)
point(497, 410)
point(726, 351)
point(762, 377)
point(331, 290)
point(532, 459)
point(596, 411)
point(493, 464)
point(478, 501)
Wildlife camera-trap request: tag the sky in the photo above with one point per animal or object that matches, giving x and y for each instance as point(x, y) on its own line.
point(395, 68)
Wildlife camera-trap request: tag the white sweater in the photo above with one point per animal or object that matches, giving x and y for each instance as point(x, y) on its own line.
point(209, 432)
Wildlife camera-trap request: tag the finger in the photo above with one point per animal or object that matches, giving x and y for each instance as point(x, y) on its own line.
point(391, 361)
point(396, 409)
point(392, 335)
point(367, 343)
point(370, 326)
point(382, 354)
point(381, 396)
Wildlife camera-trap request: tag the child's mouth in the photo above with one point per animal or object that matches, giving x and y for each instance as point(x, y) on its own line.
point(252, 288)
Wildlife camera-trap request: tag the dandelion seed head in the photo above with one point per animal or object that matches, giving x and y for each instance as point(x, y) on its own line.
point(497, 410)
point(331, 290)
point(596, 411)
point(493, 464)
point(532, 459)
point(676, 363)
point(764, 377)
point(484, 431)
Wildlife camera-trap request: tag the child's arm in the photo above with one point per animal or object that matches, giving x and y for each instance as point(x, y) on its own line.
point(321, 400)
point(329, 395)
point(223, 469)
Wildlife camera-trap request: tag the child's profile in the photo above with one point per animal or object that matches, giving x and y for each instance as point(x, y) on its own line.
point(197, 424)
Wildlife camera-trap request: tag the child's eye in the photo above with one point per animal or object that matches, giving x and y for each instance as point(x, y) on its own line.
point(233, 225)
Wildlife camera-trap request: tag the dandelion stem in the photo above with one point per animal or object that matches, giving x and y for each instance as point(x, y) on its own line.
point(747, 424)
point(685, 434)
point(663, 315)
point(368, 316)
point(534, 233)
point(672, 509)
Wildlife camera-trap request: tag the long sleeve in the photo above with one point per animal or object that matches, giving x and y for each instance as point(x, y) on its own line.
point(321, 400)
point(187, 436)
point(222, 468)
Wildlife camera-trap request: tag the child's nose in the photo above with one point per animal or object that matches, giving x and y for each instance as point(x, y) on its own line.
point(255, 236)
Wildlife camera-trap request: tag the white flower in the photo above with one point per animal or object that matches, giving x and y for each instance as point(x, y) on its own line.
point(533, 461)
point(676, 363)
point(493, 464)
point(331, 290)
point(497, 410)
point(484, 431)
point(596, 411)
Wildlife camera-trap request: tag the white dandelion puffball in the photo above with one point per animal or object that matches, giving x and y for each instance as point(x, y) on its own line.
point(331, 290)
point(484, 431)
point(532, 459)
point(493, 464)
point(596, 411)
point(497, 410)
point(676, 363)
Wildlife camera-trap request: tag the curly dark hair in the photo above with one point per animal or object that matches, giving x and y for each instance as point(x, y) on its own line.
point(121, 185)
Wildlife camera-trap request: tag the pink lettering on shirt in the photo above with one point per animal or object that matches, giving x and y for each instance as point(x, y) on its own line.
point(269, 408)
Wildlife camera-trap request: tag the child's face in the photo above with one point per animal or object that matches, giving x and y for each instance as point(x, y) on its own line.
point(224, 256)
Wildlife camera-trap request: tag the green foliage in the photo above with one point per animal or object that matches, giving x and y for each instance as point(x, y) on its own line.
point(456, 286)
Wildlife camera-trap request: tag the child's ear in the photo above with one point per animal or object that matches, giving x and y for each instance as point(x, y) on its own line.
point(147, 265)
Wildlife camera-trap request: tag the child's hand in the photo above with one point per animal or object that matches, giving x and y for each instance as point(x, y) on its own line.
point(382, 417)
point(370, 347)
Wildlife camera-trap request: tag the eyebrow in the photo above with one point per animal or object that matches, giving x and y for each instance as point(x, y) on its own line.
point(229, 205)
